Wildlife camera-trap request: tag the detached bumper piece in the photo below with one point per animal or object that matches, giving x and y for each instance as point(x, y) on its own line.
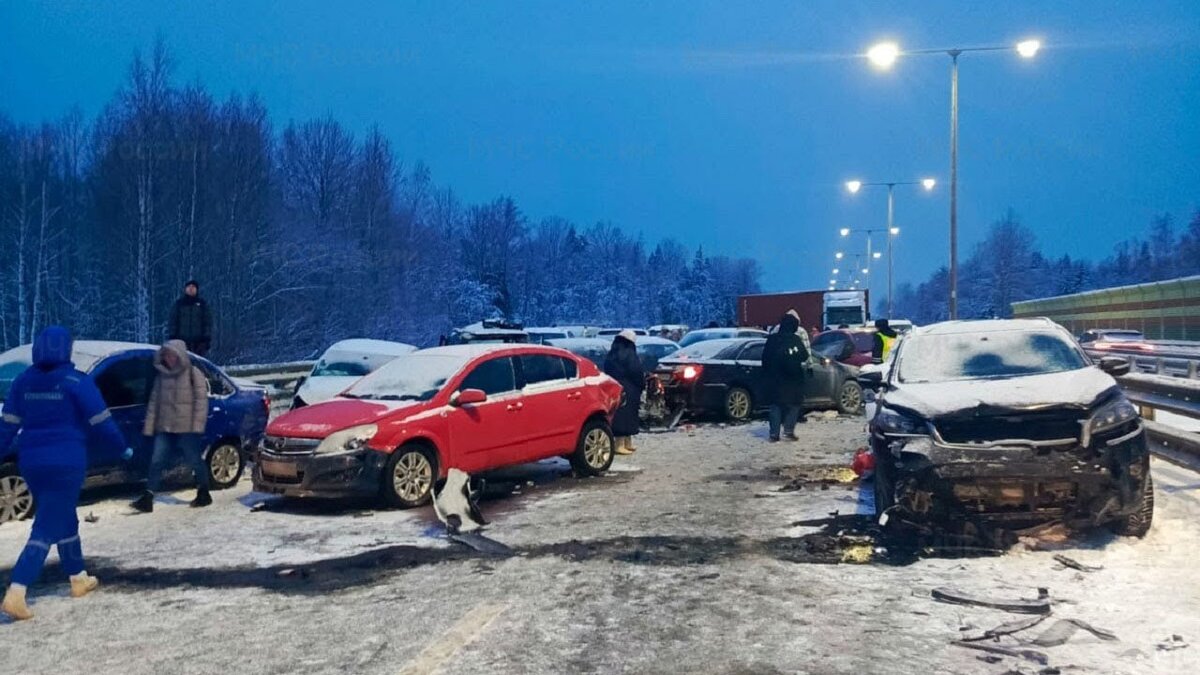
point(311, 475)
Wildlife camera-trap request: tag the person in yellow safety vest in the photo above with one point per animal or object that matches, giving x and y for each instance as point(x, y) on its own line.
point(885, 337)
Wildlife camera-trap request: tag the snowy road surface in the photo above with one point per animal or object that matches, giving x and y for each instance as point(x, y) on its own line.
point(686, 558)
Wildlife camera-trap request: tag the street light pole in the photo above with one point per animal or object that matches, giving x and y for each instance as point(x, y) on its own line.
point(854, 186)
point(890, 226)
point(954, 53)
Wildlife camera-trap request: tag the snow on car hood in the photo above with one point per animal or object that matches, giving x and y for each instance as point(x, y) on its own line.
point(321, 419)
point(1072, 388)
point(324, 387)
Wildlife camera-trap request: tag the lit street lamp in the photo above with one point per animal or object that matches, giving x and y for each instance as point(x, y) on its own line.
point(883, 56)
point(855, 185)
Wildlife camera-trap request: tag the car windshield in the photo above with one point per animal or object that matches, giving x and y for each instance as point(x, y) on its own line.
point(828, 344)
point(415, 377)
point(974, 356)
point(701, 336)
point(340, 369)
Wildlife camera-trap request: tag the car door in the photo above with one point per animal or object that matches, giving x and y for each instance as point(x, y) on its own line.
point(124, 382)
point(489, 435)
point(820, 376)
point(749, 370)
point(554, 407)
point(224, 412)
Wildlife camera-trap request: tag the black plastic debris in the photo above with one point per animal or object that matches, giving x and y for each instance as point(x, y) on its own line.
point(955, 597)
point(1031, 655)
point(91, 518)
point(1075, 565)
point(1008, 628)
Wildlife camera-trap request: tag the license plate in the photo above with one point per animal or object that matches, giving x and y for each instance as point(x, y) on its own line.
point(281, 469)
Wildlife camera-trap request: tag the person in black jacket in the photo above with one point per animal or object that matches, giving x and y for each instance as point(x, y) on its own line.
point(783, 362)
point(623, 365)
point(191, 320)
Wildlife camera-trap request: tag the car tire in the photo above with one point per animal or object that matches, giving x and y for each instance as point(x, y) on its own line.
point(850, 398)
point(595, 449)
point(16, 501)
point(1137, 523)
point(739, 405)
point(225, 464)
point(408, 476)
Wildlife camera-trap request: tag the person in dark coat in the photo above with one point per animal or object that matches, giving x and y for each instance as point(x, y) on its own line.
point(783, 361)
point(191, 320)
point(623, 365)
point(56, 409)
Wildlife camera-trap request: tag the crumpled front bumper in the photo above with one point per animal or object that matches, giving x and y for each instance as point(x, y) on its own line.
point(938, 480)
point(312, 475)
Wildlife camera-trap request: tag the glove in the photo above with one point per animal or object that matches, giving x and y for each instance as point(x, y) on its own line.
point(127, 455)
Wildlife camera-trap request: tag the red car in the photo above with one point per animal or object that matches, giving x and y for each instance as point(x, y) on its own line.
point(851, 346)
point(471, 407)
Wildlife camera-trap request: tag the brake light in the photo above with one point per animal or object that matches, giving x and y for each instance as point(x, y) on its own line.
point(689, 373)
point(266, 399)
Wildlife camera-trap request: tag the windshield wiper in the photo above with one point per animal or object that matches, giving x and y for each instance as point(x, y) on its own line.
point(398, 397)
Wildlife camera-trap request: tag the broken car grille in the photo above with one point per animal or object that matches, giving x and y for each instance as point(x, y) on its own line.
point(1044, 427)
point(282, 445)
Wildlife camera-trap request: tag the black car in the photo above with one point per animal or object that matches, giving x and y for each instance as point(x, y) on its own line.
point(725, 377)
point(1011, 422)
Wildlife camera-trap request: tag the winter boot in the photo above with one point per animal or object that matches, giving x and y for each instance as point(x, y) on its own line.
point(82, 584)
point(623, 446)
point(145, 503)
point(202, 498)
point(14, 603)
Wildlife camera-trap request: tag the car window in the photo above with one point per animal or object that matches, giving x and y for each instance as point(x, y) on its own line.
point(752, 352)
point(971, 356)
point(8, 373)
point(863, 342)
point(492, 377)
point(340, 369)
point(702, 336)
point(829, 345)
point(127, 382)
point(544, 368)
point(412, 377)
point(218, 384)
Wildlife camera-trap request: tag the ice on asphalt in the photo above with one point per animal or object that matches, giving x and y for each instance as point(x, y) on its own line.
point(670, 576)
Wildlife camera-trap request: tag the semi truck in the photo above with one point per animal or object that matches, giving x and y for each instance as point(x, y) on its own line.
point(817, 309)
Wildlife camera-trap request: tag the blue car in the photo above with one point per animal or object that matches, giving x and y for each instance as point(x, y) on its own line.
point(124, 372)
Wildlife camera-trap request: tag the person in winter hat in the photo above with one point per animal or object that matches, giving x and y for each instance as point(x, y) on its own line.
point(784, 357)
point(56, 409)
point(623, 365)
point(175, 417)
point(191, 320)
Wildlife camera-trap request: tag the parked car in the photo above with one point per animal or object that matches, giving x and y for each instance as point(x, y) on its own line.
point(725, 377)
point(612, 332)
point(470, 407)
point(852, 346)
point(343, 364)
point(1111, 335)
point(650, 349)
point(1008, 420)
point(124, 373)
point(541, 336)
point(720, 334)
point(491, 331)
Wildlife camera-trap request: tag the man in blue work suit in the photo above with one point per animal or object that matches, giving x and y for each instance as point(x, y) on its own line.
point(55, 408)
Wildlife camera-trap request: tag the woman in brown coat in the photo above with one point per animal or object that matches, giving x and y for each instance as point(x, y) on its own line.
point(175, 417)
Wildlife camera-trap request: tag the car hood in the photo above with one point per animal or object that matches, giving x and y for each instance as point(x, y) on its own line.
point(324, 387)
point(321, 419)
point(1071, 389)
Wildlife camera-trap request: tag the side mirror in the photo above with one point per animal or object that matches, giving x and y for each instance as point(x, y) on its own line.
point(300, 382)
point(847, 350)
point(1114, 365)
point(468, 397)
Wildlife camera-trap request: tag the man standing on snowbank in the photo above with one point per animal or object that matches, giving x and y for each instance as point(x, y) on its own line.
point(191, 320)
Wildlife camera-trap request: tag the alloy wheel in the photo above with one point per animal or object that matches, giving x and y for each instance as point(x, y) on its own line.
point(739, 404)
point(224, 463)
point(597, 448)
point(16, 501)
point(412, 477)
point(851, 397)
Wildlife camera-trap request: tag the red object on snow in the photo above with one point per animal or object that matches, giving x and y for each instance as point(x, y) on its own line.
point(864, 462)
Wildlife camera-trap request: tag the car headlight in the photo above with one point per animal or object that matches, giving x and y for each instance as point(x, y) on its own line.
point(889, 421)
point(347, 440)
point(1112, 415)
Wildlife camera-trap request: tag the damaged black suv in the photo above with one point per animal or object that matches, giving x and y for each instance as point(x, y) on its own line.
point(1009, 421)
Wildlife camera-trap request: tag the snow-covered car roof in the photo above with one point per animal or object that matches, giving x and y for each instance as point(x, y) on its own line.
point(707, 349)
point(85, 354)
point(479, 328)
point(984, 326)
point(474, 350)
point(654, 340)
point(580, 343)
point(369, 346)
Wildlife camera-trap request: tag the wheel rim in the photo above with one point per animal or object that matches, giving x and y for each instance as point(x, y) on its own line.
point(597, 448)
point(16, 501)
point(225, 463)
point(739, 404)
point(412, 477)
point(851, 397)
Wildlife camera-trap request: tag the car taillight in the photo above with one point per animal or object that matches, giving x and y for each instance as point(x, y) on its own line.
point(266, 399)
point(688, 373)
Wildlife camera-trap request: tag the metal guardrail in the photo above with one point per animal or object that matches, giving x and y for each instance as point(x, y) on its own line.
point(1176, 395)
point(279, 375)
point(1179, 361)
